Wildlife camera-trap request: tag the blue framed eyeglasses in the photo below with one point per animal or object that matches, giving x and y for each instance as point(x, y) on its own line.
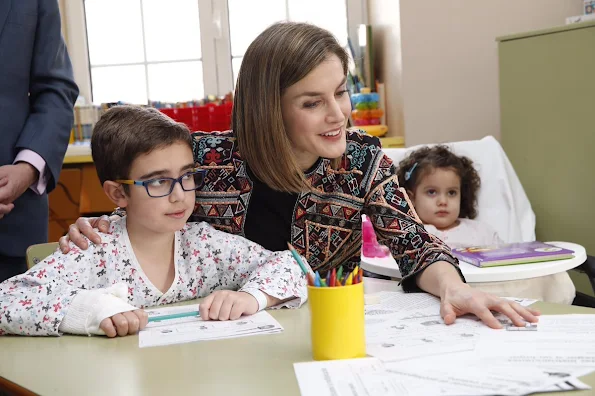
point(164, 186)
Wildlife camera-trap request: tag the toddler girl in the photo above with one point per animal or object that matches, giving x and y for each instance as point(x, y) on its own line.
point(443, 188)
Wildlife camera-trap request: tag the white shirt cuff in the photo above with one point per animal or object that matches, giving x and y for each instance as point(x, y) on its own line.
point(90, 307)
point(259, 296)
point(35, 160)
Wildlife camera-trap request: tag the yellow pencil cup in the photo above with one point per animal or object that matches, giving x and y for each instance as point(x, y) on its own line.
point(337, 321)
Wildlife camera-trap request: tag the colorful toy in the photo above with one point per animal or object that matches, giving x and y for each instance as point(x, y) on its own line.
point(374, 130)
point(365, 105)
point(370, 245)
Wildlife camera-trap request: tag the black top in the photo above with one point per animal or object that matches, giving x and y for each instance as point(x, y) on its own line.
point(271, 214)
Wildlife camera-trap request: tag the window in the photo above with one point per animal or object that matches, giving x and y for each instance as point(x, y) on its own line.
point(142, 50)
point(180, 50)
point(329, 14)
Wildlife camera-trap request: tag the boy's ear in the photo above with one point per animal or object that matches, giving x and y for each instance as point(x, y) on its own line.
point(115, 192)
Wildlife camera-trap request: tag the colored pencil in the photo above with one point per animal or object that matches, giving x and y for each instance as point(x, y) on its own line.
point(173, 316)
point(298, 259)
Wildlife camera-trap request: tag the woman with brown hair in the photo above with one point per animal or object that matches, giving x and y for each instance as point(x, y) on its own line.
point(290, 170)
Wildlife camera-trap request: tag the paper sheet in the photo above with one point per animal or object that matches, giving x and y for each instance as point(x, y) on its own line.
point(408, 325)
point(415, 353)
point(565, 341)
point(178, 331)
point(372, 377)
point(345, 377)
point(412, 305)
point(360, 377)
point(401, 339)
point(566, 376)
point(403, 304)
point(479, 379)
point(569, 384)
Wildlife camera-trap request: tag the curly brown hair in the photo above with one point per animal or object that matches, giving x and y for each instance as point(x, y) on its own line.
point(419, 162)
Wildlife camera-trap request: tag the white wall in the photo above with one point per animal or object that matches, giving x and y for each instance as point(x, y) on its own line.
point(449, 60)
point(75, 34)
point(384, 17)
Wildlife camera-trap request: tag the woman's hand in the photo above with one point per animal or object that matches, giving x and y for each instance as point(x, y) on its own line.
point(460, 299)
point(84, 226)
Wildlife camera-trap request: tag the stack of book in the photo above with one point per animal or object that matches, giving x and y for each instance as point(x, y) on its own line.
point(85, 118)
point(511, 253)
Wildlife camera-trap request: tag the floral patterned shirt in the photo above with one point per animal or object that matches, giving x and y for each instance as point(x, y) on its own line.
point(206, 260)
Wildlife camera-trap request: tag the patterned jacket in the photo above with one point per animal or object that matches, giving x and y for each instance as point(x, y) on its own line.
point(36, 302)
point(326, 225)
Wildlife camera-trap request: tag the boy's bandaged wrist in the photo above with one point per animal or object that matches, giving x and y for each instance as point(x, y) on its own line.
point(260, 297)
point(90, 307)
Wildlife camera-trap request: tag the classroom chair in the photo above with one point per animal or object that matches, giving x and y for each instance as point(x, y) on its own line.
point(502, 201)
point(580, 275)
point(36, 253)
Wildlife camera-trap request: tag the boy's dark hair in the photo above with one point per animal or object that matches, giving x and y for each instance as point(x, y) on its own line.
point(125, 132)
point(420, 162)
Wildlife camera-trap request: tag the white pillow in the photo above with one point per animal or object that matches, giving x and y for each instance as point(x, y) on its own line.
point(502, 202)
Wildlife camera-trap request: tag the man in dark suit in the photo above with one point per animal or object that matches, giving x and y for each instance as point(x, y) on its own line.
point(37, 94)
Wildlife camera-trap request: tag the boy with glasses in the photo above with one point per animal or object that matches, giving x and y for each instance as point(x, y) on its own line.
point(151, 256)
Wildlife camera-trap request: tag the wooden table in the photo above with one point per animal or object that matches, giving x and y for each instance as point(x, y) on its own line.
point(259, 365)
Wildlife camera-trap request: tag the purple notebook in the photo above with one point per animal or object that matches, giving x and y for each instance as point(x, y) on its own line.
point(511, 253)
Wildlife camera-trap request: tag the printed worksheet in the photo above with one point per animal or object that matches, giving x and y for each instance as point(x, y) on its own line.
point(372, 377)
point(350, 377)
point(479, 379)
point(413, 337)
point(183, 330)
point(565, 341)
point(408, 325)
point(403, 305)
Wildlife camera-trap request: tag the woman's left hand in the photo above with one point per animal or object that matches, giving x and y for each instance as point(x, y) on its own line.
point(461, 299)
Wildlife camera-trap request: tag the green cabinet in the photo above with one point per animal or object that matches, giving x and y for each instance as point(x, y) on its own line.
point(547, 99)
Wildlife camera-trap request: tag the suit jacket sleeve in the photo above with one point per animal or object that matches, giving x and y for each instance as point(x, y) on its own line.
point(52, 94)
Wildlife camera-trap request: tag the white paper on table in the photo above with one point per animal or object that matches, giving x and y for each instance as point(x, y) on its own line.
point(412, 305)
point(400, 339)
point(409, 325)
point(369, 376)
point(401, 303)
point(565, 385)
point(565, 341)
point(359, 377)
point(566, 376)
point(177, 331)
point(395, 305)
point(578, 324)
point(480, 379)
point(342, 378)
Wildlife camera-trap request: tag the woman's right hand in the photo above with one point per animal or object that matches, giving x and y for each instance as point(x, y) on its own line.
point(84, 226)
